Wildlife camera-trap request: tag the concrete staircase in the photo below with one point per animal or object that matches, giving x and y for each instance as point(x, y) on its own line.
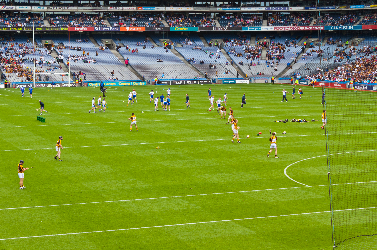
point(288, 67)
point(235, 65)
point(301, 42)
point(122, 59)
point(152, 41)
point(264, 22)
point(54, 54)
point(176, 53)
point(204, 41)
point(165, 23)
point(324, 41)
point(360, 19)
point(217, 23)
point(252, 40)
point(107, 23)
point(264, 53)
point(94, 41)
point(46, 23)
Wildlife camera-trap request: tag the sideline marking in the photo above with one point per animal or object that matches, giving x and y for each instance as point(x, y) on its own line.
point(181, 224)
point(182, 196)
point(285, 169)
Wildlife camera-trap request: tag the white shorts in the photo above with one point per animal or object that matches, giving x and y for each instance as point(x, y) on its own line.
point(133, 123)
point(57, 148)
point(324, 121)
point(273, 145)
point(21, 175)
point(223, 112)
point(235, 131)
point(230, 117)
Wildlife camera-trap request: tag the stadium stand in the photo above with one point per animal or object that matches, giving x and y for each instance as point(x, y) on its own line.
point(17, 56)
point(337, 19)
point(23, 20)
point(369, 19)
point(136, 20)
point(76, 21)
point(241, 20)
point(295, 19)
point(192, 20)
point(151, 61)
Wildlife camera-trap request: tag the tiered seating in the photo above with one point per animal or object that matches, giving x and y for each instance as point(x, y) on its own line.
point(296, 19)
point(333, 54)
point(201, 20)
point(243, 20)
point(104, 63)
point(145, 60)
point(136, 20)
point(23, 20)
point(76, 21)
point(368, 19)
point(337, 19)
point(209, 60)
point(175, 20)
point(361, 70)
point(17, 57)
point(250, 59)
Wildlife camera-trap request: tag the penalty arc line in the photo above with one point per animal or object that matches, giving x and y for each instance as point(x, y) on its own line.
point(285, 169)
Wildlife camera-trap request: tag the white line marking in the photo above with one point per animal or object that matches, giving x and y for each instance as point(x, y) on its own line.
point(86, 146)
point(87, 123)
point(285, 169)
point(67, 124)
point(106, 145)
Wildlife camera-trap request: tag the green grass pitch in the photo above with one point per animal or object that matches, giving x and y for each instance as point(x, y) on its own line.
point(115, 190)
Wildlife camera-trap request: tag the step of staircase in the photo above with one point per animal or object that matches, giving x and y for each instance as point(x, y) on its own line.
point(46, 23)
point(54, 54)
point(152, 41)
point(122, 59)
point(165, 23)
point(235, 65)
point(204, 41)
point(94, 41)
point(176, 53)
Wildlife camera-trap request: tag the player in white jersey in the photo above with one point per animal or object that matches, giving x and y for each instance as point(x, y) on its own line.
point(218, 102)
point(104, 105)
point(211, 100)
point(225, 98)
point(93, 106)
point(168, 91)
point(130, 99)
point(99, 103)
point(134, 96)
point(156, 104)
point(151, 95)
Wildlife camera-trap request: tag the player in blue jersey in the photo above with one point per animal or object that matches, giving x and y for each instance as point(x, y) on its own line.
point(42, 107)
point(162, 102)
point(187, 101)
point(165, 105)
point(168, 102)
point(22, 91)
point(293, 92)
point(209, 93)
point(31, 92)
